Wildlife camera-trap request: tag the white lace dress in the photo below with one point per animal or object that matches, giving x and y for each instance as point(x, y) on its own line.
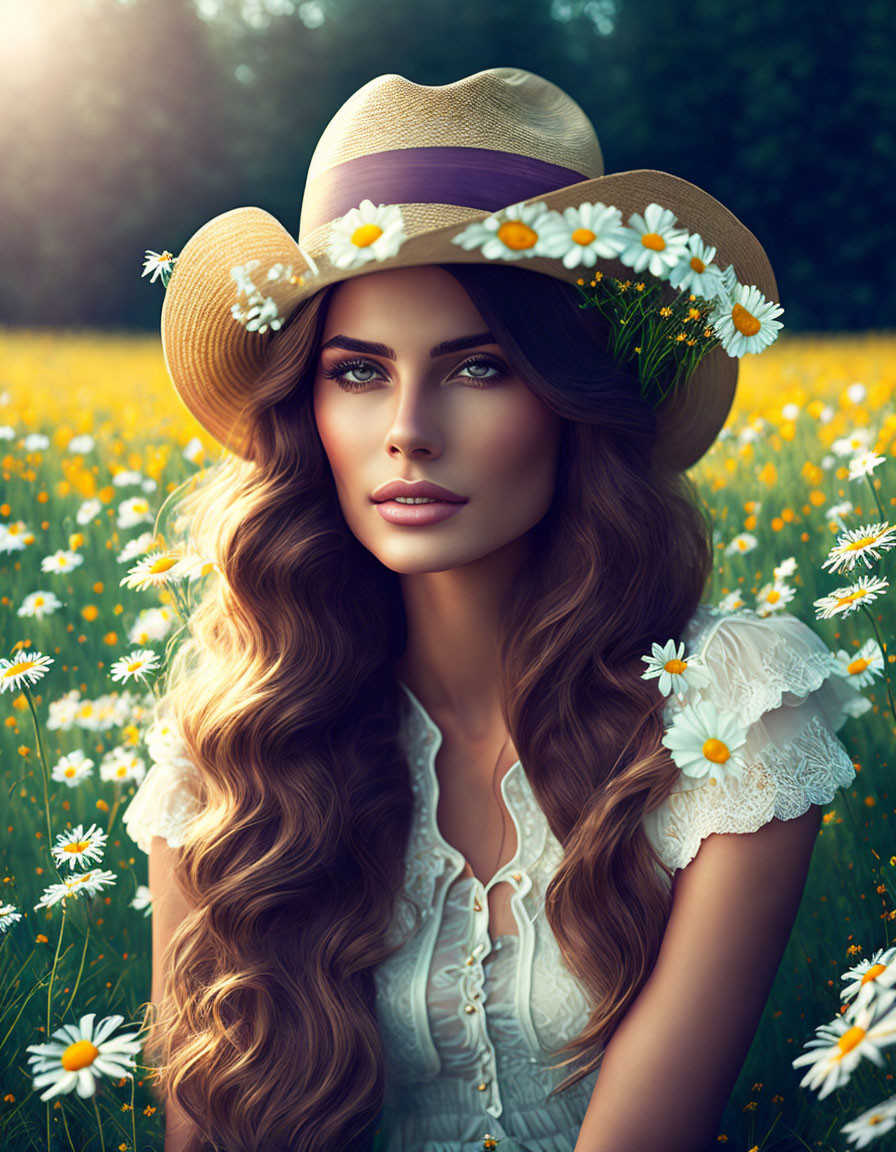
point(470, 1023)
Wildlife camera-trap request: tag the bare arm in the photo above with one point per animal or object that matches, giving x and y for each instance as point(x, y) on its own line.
point(169, 906)
point(672, 1063)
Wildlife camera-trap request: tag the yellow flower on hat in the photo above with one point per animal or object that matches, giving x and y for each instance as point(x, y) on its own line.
point(512, 233)
point(744, 321)
point(368, 232)
point(653, 242)
point(581, 234)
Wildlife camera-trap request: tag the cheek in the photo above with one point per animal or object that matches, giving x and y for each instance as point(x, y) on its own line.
point(518, 449)
point(337, 434)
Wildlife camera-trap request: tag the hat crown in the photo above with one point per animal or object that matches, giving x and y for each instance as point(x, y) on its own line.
point(507, 110)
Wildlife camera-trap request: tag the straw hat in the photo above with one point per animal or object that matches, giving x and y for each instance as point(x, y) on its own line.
point(400, 176)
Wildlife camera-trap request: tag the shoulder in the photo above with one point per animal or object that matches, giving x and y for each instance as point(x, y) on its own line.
point(756, 741)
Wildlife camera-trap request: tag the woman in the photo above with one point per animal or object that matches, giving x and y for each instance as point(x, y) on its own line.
point(381, 925)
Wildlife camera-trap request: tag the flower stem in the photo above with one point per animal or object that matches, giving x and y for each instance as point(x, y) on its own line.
point(883, 649)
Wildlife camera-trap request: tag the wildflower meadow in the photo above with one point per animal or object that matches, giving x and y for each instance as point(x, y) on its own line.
point(801, 486)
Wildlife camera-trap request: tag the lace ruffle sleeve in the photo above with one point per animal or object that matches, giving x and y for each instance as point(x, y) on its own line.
point(785, 695)
point(167, 798)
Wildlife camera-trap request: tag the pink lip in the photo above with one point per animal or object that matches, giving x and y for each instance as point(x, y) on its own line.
point(417, 515)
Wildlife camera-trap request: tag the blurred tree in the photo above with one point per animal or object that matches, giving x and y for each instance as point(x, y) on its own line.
point(139, 121)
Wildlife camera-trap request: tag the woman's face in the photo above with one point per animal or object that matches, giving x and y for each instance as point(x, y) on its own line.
point(409, 409)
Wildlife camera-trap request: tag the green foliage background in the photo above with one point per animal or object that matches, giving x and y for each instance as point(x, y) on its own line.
point(129, 123)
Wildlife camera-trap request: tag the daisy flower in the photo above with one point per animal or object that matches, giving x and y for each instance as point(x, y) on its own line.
point(651, 241)
point(732, 602)
point(126, 476)
point(872, 978)
point(862, 666)
point(8, 916)
point(704, 741)
point(261, 314)
point(193, 566)
point(785, 568)
point(518, 231)
point(134, 511)
point(78, 1055)
point(39, 604)
point(840, 1045)
point(368, 232)
point(697, 273)
point(36, 442)
point(194, 451)
point(154, 570)
point(159, 264)
point(82, 444)
point(14, 536)
point(741, 544)
point(244, 283)
point(78, 846)
point(772, 597)
point(580, 234)
point(27, 668)
point(860, 543)
point(71, 769)
point(745, 321)
point(142, 901)
point(790, 411)
point(152, 624)
point(864, 464)
point(121, 765)
point(874, 1122)
point(80, 884)
point(858, 440)
point(135, 665)
point(63, 560)
point(843, 601)
point(88, 511)
point(675, 672)
point(136, 547)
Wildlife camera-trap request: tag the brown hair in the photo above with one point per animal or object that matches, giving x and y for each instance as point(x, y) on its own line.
point(286, 696)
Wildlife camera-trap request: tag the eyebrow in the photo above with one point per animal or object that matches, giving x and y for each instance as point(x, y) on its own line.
point(350, 344)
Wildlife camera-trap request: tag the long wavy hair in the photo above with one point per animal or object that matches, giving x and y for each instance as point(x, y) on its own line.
point(285, 693)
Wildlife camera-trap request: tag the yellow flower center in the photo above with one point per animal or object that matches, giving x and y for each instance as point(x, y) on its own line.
point(675, 665)
point(135, 665)
point(79, 1055)
point(653, 240)
point(773, 597)
point(697, 264)
point(583, 235)
point(69, 771)
point(715, 750)
point(873, 972)
point(744, 321)
point(366, 235)
point(78, 846)
point(517, 235)
point(849, 1040)
point(851, 597)
point(18, 668)
point(163, 564)
point(858, 545)
point(121, 771)
point(39, 600)
point(858, 665)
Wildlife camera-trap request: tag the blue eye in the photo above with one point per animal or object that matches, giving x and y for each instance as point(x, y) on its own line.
point(338, 372)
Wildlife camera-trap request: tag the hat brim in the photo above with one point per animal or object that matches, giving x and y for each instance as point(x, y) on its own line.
point(214, 361)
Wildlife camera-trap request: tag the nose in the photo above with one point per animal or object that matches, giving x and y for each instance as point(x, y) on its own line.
point(414, 428)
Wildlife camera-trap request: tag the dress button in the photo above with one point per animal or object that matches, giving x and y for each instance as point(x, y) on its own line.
point(517, 875)
point(469, 960)
point(478, 906)
point(482, 1087)
point(469, 1008)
